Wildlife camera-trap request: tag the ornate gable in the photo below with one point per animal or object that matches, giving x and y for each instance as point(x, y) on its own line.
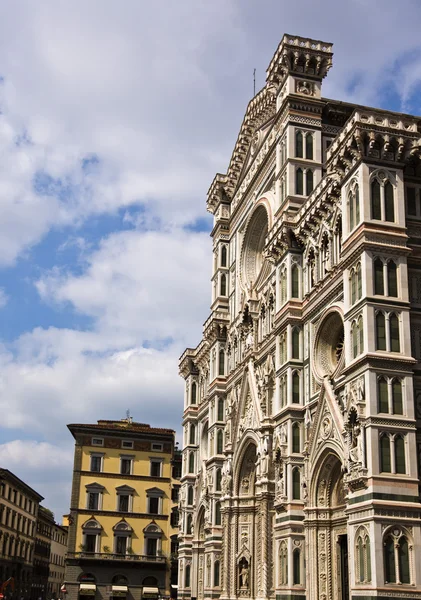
point(328, 424)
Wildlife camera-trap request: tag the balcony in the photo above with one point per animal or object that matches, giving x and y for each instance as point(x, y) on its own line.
point(116, 557)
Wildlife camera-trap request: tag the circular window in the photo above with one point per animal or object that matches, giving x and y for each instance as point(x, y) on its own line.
point(328, 349)
point(254, 243)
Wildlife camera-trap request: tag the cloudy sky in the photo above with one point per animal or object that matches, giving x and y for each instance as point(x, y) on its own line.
point(114, 118)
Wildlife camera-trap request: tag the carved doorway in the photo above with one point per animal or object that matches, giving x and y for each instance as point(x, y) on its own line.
point(329, 559)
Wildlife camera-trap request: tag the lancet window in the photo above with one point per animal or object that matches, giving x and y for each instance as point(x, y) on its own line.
point(357, 335)
point(385, 278)
point(283, 563)
point(387, 332)
point(353, 206)
point(355, 280)
point(392, 453)
point(389, 395)
point(397, 549)
point(296, 484)
point(382, 198)
point(362, 556)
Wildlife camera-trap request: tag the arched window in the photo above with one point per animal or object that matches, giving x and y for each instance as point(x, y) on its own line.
point(296, 343)
point(295, 287)
point(309, 181)
point(385, 463)
point(363, 557)
point(359, 282)
point(354, 332)
point(378, 277)
point(353, 286)
point(380, 332)
point(189, 524)
point(309, 146)
point(376, 211)
point(382, 395)
point(187, 577)
point(190, 492)
point(223, 256)
point(361, 334)
point(220, 409)
point(193, 393)
point(191, 462)
point(295, 388)
point(400, 455)
point(392, 280)
point(296, 484)
point(299, 183)
point(192, 439)
point(389, 561)
point(396, 554)
point(351, 211)
point(221, 367)
point(397, 403)
point(296, 575)
point(296, 438)
point(219, 442)
point(283, 563)
point(389, 202)
point(298, 144)
point(357, 204)
point(218, 517)
point(283, 286)
point(216, 574)
point(394, 333)
point(223, 286)
point(218, 480)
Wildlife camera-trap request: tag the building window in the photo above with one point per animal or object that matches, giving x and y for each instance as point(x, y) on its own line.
point(223, 256)
point(283, 286)
point(187, 577)
point(382, 199)
point(221, 363)
point(193, 396)
point(220, 409)
point(97, 441)
point(189, 529)
point(354, 206)
point(392, 454)
point(157, 447)
point(389, 395)
point(191, 462)
point(94, 496)
point(218, 480)
point(190, 492)
point(309, 146)
point(219, 442)
point(299, 182)
point(385, 278)
point(296, 343)
point(283, 563)
point(357, 335)
point(296, 484)
point(296, 438)
point(296, 559)
point(378, 277)
point(216, 570)
point(223, 285)
point(309, 181)
point(153, 507)
point(192, 438)
point(363, 556)
point(295, 284)
point(356, 283)
point(128, 444)
point(156, 468)
point(298, 144)
point(387, 322)
point(123, 503)
point(96, 463)
point(295, 387)
point(91, 536)
point(397, 557)
point(218, 517)
point(126, 465)
point(154, 498)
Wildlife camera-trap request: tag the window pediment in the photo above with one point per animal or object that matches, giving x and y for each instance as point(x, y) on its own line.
point(94, 487)
point(155, 492)
point(124, 489)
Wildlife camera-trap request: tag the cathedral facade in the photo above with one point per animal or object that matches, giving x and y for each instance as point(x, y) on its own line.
point(302, 409)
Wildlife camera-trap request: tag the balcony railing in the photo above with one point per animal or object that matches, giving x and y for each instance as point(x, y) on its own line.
point(115, 556)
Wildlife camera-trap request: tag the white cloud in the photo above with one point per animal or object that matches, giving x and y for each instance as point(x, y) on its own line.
point(3, 298)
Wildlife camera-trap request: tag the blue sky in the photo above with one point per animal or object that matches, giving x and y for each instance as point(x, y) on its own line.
point(114, 118)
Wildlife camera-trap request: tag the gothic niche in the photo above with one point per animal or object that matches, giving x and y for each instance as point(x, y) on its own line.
point(244, 577)
point(247, 472)
point(329, 345)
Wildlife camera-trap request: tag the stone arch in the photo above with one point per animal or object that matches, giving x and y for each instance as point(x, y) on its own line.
point(245, 467)
point(326, 487)
point(199, 523)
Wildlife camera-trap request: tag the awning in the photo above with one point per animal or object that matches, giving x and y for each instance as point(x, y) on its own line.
point(87, 589)
point(119, 590)
point(150, 592)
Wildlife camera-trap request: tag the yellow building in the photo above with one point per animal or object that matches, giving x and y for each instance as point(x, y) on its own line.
point(121, 515)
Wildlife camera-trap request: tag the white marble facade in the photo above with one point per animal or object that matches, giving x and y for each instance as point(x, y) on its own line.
point(302, 407)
